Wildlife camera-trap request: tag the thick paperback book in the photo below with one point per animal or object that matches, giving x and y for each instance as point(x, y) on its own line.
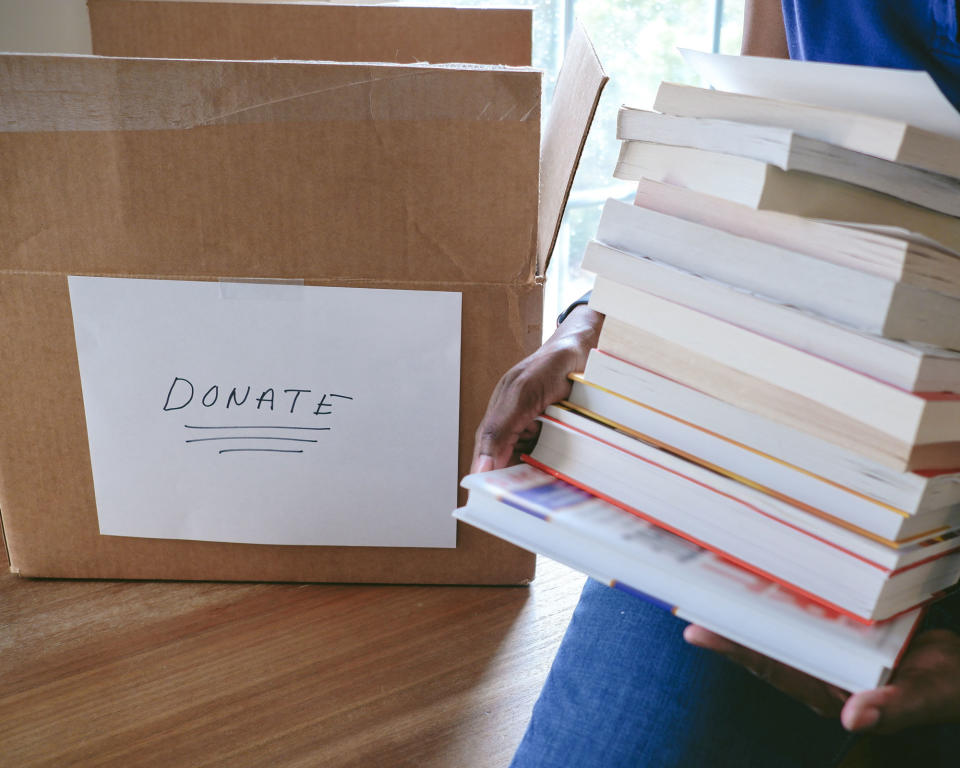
point(912, 493)
point(883, 137)
point(535, 510)
point(791, 151)
point(765, 187)
point(769, 473)
point(826, 561)
point(902, 429)
point(914, 367)
point(845, 294)
point(890, 252)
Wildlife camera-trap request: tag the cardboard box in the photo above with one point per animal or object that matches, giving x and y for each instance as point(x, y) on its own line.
point(199, 170)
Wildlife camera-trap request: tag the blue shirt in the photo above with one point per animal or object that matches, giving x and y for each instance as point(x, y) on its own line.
point(906, 34)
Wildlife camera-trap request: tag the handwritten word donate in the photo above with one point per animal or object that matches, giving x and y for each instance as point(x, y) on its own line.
point(183, 393)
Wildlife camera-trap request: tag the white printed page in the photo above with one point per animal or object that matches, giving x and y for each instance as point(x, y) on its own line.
point(270, 413)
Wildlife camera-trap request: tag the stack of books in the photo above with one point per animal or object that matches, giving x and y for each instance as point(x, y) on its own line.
point(768, 434)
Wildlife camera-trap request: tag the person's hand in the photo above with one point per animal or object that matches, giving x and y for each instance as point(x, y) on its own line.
point(925, 689)
point(509, 427)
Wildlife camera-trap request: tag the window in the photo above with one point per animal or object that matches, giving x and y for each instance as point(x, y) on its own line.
point(637, 41)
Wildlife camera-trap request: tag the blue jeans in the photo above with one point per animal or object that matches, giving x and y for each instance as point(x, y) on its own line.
point(626, 690)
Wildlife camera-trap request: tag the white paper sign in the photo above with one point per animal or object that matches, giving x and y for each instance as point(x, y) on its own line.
point(907, 96)
point(269, 413)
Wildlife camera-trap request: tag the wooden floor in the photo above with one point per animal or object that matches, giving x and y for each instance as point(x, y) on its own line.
point(185, 674)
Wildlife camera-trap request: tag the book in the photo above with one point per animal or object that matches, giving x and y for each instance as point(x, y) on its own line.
point(911, 417)
point(883, 137)
point(824, 561)
point(889, 252)
point(913, 494)
point(914, 367)
point(766, 472)
point(543, 514)
point(765, 187)
point(790, 151)
point(783, 382)
point(847, 295)
point(904, 95)
point(780, 519)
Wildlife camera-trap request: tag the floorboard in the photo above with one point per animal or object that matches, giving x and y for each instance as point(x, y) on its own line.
point(176, 674)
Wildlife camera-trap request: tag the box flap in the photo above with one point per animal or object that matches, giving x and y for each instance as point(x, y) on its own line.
point(4, 554)
point(314, 31)
point(575, 100)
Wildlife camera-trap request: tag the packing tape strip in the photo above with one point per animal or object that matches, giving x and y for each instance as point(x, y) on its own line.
point(88, 93)
point(261, 288)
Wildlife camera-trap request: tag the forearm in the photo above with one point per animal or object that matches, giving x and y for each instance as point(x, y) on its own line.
point(763, 30)
point(522, 394)
point(580, 327)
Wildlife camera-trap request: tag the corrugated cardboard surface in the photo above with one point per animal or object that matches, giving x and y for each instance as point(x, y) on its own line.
point(49, 510)
point(189, 30)
point(415, 194)
point(354, 175)
point(575, 101)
